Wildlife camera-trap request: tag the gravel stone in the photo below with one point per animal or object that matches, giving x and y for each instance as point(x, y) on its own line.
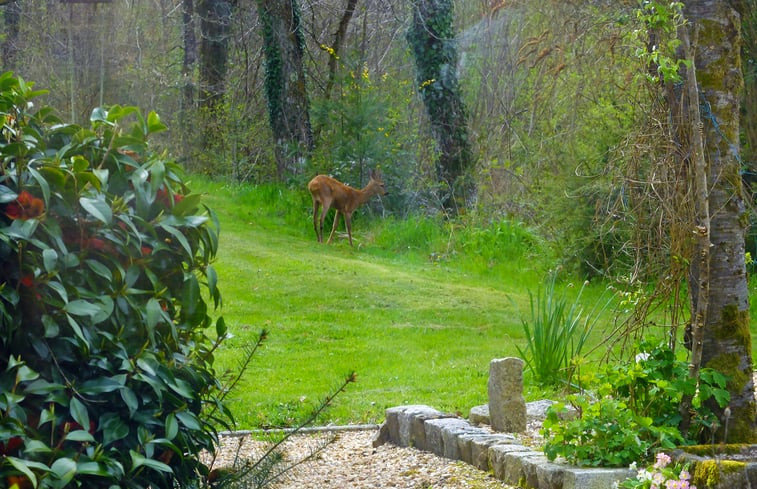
point(351, 462)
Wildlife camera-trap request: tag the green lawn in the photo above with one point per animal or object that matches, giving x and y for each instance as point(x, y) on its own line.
point(414, 330)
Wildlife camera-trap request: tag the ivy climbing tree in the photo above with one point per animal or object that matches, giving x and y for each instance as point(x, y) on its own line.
point(432, 40)
point(286, 91)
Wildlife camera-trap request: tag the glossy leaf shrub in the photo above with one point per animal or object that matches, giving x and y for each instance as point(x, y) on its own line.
point(106, 342)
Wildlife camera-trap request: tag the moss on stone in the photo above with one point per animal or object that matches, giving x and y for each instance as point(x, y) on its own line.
point(720, 449)
point(709, 473)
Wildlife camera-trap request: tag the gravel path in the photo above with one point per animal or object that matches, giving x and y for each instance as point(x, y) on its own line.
point(351, 462)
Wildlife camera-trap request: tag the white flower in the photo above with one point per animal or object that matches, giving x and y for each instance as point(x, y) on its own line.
point(642, 357)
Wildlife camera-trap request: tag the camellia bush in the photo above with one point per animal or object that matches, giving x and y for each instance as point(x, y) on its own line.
point(106, 342)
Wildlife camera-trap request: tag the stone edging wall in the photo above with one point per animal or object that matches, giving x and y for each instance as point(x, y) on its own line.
point(452, 437)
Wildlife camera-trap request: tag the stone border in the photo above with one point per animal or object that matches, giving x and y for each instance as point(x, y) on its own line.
point(453, 437)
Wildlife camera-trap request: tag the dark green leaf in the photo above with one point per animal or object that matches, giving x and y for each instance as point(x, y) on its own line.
point(180, 238)
point(42, 386)
point(99, 209)
point(80, 436)
point(189, 420)
point(43, 185)
point(59, 288)
point(51, 327)
point(77, 329)
point(21, 229)
point(7, 195)
point(171, 426)
point(139, 461)
point(50, 259)
point(99, 115)
point(25, 466)
point(99, 385)
point(79, 412)
point(64, 470)
point(81, 307)
point(113, 429)
point(130, 399)
point(92, 468)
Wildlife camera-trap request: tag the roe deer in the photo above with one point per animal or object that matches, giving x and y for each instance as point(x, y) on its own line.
point(328, 192)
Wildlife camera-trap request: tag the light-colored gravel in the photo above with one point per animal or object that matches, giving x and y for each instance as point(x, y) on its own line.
point(351, 462)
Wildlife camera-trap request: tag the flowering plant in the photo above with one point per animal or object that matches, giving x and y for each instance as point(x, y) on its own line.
point(661, 475)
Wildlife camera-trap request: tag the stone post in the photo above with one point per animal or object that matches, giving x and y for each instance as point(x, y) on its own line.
point(507, 407)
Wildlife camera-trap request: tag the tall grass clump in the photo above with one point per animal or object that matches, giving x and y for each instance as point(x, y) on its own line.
point(498, 243)
point(420, 234)
point(268, 205)
point(557, 332)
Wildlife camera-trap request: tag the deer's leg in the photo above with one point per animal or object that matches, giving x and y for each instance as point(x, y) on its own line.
point(325, 205)
point(333, 228)
point(318, 232)
point(348, 225)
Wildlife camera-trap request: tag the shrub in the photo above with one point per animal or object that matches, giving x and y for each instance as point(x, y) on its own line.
point(106, 376)
point(634, 412)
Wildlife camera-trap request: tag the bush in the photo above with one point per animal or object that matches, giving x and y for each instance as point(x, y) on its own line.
point(634, 412)
point(106, 376)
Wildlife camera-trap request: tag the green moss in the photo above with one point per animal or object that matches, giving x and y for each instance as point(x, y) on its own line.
point(729, 364)
point(709, 473)
point(721, 449)
point(744, 219)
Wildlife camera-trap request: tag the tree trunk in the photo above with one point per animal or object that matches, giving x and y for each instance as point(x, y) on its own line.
point(339, 36)
point(749, 63)
point(12, 14)
point(286, 91)
point(190, 55)
point(726, 340)
point(432, 40)
point(215, 22)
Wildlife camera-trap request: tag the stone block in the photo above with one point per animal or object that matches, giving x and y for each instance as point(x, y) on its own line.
point(451, 437)
point(435, 428)
point(520, 468)
point(507, 407)
point(479, 448)
point(479, 415)
point(412, 433)
point(550, 475)
point(587, 478)
point(497, 458)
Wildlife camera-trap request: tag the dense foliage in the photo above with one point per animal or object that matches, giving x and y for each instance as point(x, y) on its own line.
point(106, 364)
point(632, 411)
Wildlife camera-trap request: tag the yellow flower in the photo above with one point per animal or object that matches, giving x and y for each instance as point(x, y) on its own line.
point(329, 50)
point(427, 83)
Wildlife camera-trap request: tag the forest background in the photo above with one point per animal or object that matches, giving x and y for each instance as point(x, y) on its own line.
point(567, 130)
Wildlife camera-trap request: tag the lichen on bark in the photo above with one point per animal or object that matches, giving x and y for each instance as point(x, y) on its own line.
point(726, 342)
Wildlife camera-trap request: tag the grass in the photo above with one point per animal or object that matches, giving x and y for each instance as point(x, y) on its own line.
point(418, 323)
